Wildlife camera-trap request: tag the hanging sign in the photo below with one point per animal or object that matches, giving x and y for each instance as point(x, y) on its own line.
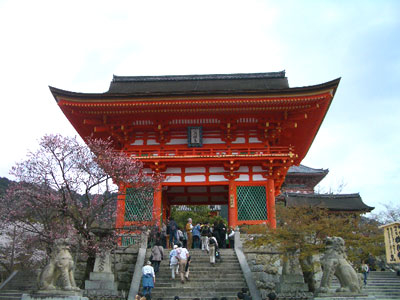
point(392, 242)
point(195, 136)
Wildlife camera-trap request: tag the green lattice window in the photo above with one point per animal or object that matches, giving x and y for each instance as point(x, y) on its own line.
point(251, 202)
point(138, 205)
point(127, 240)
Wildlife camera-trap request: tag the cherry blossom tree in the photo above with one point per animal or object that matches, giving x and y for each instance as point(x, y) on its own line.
point(69, 189)
point(16, 250)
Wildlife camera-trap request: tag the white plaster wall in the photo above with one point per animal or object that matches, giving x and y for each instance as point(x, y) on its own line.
point(195, 170)
point(173, 179)
point(257, 169)
point(217, 170)
point(152, 142)
point(137, 143)
point(213, 141)
point(254, 140)
point(239, 140)
point(195, 178)
point(243, 169)
point(258, 177)
point(177, 142)
point(217, 178)
point(173, 170)
point(243, 177)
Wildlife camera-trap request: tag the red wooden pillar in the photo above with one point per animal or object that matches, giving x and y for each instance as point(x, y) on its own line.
point(232, 206)
point(120, 219)
point(271, 202)
point(164, 208)
point(157, 205)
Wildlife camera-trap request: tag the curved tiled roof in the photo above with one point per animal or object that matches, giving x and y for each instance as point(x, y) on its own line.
point(334, 202)
point(301, 169)
point(199, 83)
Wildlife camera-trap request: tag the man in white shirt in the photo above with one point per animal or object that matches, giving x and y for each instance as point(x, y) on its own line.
point(182, 256)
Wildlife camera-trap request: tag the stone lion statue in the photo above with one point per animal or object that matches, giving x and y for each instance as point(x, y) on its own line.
point(334, 262)
point(59, 269)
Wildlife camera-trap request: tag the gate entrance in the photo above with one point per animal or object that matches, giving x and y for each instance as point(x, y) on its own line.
point(210, 195)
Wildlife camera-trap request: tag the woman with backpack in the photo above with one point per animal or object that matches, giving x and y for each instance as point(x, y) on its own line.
point(213, 246)
point(205, 232)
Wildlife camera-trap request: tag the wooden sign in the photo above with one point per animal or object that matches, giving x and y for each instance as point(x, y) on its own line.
point(195, 136)
point(232, 201)
point(392, 242)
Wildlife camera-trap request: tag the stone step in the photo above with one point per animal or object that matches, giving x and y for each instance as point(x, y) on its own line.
point(190, 292)
point(10, 295)
point(202, 283)
point(200, 277)
point(208, 267)
point(204, 273)
point(202, 257)
point(382, 285)
point(224, 279)
point(233, 297)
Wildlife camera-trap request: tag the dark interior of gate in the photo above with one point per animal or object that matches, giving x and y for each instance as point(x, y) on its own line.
point(215, 196)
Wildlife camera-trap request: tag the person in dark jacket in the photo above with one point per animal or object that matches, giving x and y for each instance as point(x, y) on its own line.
point(215, 232)
point(222, 234)
point(205, 231)
point(173, 229)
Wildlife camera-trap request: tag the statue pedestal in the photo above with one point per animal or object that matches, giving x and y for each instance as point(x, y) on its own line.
point(54, 295)
point(293, 287)
point(343, 296)
point(101, 281)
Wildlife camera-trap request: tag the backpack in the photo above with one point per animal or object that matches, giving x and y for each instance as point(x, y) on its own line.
point(204, 230)
point(173, 226)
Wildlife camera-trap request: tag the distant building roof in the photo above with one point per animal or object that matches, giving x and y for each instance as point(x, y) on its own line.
point(301, 169)
point(338, 202)
point(216, 83)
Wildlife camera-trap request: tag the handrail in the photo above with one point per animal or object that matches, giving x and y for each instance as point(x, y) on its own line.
point(271, 151)
point(137, 275)
point(251, 284)
point(4, 283)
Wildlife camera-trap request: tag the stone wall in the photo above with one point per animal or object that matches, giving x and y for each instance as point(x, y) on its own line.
point(123, 261)
point(278, 272)
point(265, 264)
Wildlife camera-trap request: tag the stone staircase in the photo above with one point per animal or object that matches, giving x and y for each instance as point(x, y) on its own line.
point(225, 279)
point(22, 282)
point(381, 285)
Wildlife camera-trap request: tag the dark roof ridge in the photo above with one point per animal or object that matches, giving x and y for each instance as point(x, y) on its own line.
point(304, 169)
point(280, 74)
point(323, 195)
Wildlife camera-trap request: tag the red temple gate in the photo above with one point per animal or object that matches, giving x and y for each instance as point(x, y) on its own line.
point(218, 139)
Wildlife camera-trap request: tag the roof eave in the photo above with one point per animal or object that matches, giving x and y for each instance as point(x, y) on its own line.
point(294, 90)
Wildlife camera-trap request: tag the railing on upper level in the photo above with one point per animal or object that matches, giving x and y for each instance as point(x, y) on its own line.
point(210, 152)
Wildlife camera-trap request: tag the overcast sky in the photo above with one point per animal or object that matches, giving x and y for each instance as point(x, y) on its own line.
point(79, 45)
